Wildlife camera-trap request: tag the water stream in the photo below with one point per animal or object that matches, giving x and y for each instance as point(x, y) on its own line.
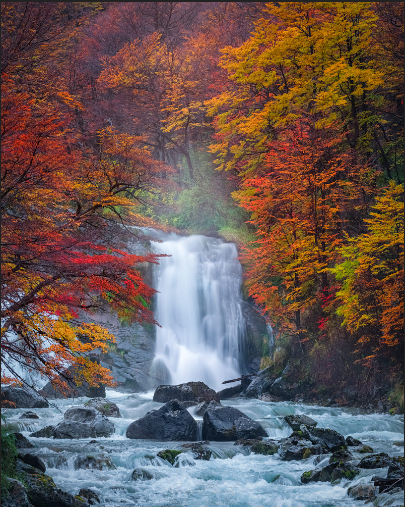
point(232, 477)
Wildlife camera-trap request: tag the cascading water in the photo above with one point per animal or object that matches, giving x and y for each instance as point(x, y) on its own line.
point(198, 308)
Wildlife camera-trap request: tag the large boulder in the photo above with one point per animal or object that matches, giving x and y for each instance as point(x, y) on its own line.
point(172, 422)
point(192, 392)
point(229, 424)
point(230, 392)
point(18, 397)
point(74, 391)
point(105, 406)
point(296, 447)
point(380, 460)
point(16, 495)
point(34, 461)
point(79, 422)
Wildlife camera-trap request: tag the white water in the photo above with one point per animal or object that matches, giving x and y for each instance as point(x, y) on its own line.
point(198, 308)
point(231, 478)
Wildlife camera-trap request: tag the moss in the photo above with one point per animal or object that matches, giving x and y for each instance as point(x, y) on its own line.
point(262, 448)
point(169, 455)
point(366, 449)
point(307, 453)
point(81, 499)
point(8, 456)
point(350, 474)
point(307, 475)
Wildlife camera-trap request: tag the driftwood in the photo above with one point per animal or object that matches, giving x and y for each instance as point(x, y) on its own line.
point(243, 377)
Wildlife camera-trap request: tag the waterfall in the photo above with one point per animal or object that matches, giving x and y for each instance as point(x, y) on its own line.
point(198, 306)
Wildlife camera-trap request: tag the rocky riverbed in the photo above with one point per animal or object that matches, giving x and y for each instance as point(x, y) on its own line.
point(316, 456)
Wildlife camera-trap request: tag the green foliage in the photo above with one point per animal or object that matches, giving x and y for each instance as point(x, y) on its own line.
point(8, 456)
point(396, 398)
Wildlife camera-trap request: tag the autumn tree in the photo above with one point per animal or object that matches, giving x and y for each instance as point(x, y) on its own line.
point(66, 206)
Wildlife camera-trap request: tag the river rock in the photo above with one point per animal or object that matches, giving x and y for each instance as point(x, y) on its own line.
point(229, 424)
point(29, 415)
point(295, 421)
point(170, 422)
point(195, 392)
point(42, 491)
point(201, 408)
point(330, 473)
point(98, 462)
point(362, 491)
point(264, 447)
point(342, 455)
point(21, 398)
point(22, 442)
point(16, 495)
point(91, 497)
point(47, 432)
point(198, 451)
point(105, 406)
point(34, 461)
point(84, 422)
point(260, 384)
point(350, 441)
point(376, 461)
point(284, 389)
point(230, 392)
point(329, 439)
point(296, 447)
point(140, 474)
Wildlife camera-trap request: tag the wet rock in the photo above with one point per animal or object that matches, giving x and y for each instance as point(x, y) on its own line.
point(267, 448)
point(84, 422)
point(350, 441)
point(341, 456)
point(18, 397)
point(295, 421)
point(366, 449)
point(169, 455)
point(98, 462)
point(42, 491)
point(362, 491)
point(329, 439)
point(140, 474)
point(201, 408)
point(170, 422)
point(396, 468)
point(190, 392)
point(22, 442)
point(297, 449)
point(260, 384)
point(29, 415)
point(284, 389)
point(269, 398)
point(230, 392)
point(105, 406)
point(376, 461)
point(330, 473)
point(34, 461)
point(16, 495)
point(198, 451)
point(91, 497)
point(228, 423)
point(46, 432)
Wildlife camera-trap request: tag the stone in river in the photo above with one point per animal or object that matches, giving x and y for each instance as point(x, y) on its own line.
point(17, 397)
point(229, 424)
point(194, 392)
point(172, 422)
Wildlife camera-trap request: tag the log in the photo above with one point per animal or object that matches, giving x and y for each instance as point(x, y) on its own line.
point(387, 483)
point(240, 378)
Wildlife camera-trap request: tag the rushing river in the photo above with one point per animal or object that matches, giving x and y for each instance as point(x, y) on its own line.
point(232, 477)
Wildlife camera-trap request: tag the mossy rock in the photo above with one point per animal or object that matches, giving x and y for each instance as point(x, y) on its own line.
point(169, 455)
point(266, 448)
point(366, 449)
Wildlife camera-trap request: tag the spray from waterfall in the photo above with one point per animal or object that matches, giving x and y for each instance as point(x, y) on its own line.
point(198, 307)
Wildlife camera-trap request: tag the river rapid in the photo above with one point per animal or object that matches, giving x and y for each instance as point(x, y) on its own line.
point(232, 477)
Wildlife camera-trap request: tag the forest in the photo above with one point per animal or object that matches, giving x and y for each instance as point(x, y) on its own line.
point(277, 126)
